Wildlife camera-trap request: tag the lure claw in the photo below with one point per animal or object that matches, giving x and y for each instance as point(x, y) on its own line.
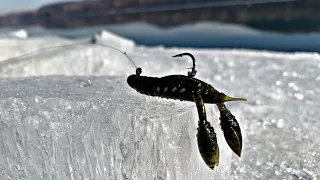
point(207, 144)
point(207, 139)
point(231, 129)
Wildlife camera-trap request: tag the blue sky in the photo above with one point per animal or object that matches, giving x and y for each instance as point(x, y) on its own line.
point(7, 6)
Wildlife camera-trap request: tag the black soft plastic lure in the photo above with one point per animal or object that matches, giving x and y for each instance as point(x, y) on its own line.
point(188, 88)
point(178, 87)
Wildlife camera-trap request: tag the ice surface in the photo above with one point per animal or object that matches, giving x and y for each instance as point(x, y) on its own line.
point(59, 127)
point(21, 33)
point(280, 122)
point(13, 47)
point(115, 40)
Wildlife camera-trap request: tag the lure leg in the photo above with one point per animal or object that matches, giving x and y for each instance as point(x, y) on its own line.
point(231, 129)
point(207, 140)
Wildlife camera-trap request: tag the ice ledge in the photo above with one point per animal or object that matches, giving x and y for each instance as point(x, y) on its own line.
point(59, 127)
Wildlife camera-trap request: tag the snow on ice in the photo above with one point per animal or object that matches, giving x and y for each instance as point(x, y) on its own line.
point(68, 113)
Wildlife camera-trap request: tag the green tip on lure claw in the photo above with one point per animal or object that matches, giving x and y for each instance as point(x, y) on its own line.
point(226, 98)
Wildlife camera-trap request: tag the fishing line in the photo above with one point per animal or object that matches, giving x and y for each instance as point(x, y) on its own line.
point(68, 45)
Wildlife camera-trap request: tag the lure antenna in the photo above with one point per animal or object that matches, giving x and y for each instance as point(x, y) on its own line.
point(193, 72)
point(68, 45)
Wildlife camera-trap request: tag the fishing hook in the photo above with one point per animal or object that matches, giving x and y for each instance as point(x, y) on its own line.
point(193, 72)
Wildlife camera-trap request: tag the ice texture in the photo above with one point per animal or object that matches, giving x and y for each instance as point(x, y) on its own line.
point(58, 127)
point(279, 122)
point(116, 41)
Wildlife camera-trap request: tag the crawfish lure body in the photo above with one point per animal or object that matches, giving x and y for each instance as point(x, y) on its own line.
point(206, 137)
point(178, 87)
point(188, 88)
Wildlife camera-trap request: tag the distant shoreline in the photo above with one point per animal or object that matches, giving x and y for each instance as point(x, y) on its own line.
point(276, 15)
